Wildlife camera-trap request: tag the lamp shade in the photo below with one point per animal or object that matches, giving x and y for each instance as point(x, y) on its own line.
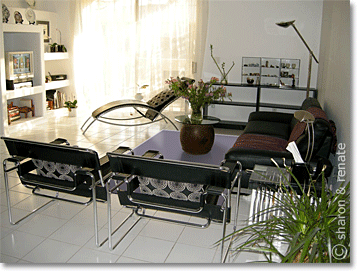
point(304, 116)
point(285, 24)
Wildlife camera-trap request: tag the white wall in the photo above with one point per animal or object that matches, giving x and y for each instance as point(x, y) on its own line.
point(334, 77)
point(239, 28)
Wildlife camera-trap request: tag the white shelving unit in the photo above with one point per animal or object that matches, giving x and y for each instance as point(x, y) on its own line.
point(18, 37)
point(57, 84)
point(55, 63)
point(55, 56)
point(23, 92)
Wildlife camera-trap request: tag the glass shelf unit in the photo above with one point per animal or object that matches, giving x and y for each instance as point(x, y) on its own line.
point(270, 71)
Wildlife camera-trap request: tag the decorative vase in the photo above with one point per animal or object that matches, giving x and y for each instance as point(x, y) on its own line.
point(197, 139)
point(196, 115)
point(139, 96)
point(224, 80)
point(72, 112)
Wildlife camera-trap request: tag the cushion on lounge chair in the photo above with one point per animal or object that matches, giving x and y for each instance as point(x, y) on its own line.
point(159, 102)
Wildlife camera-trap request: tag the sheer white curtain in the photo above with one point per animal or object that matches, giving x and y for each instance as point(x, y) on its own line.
point(120, 44)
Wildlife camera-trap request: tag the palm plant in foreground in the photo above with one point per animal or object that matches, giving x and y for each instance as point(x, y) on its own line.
point(314, 224)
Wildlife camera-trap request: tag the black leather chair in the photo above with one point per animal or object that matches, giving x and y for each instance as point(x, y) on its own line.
point(58, 167)
point(148, 111)
point(148, 182)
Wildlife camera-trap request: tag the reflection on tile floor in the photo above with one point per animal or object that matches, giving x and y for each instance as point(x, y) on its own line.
point(63, 232)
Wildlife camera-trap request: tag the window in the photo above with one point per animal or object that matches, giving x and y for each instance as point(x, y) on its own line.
point(121, 44)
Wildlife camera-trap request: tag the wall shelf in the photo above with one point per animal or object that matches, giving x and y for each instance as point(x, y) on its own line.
point(55, 56)
point(12, 94)
point(57, 84)
point(20, 28)
point(248, 98)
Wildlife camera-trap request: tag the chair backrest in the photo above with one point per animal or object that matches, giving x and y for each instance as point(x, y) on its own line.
point(63, 154)
point(176, 171)
point(159, 102)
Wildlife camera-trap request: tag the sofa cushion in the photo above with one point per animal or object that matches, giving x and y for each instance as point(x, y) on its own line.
point(269, 116)
point(299, 128)
point(310, 102)
point(262, 142)
point(274, 129)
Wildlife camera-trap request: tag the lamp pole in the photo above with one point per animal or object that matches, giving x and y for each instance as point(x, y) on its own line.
point(311, 54)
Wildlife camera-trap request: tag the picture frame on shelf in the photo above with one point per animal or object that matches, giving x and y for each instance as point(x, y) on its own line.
point(46, 30)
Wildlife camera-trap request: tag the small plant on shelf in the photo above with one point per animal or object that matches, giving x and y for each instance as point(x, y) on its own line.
point(71, 105)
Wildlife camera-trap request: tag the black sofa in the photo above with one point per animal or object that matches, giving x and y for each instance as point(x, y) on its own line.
point(267, 135)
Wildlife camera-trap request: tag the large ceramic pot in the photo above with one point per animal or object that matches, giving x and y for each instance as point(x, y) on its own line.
point(197, 139)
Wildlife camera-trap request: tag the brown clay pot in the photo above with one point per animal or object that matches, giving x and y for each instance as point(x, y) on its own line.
point(197, 139)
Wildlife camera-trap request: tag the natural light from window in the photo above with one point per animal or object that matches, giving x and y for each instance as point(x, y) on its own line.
point(120, 44)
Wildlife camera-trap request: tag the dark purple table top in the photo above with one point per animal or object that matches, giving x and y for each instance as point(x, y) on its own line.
point(167, 142)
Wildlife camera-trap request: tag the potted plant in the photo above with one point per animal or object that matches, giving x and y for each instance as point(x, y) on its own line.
point(314, 226)
point(198, 95)
point(71, 106)
point(55, 47)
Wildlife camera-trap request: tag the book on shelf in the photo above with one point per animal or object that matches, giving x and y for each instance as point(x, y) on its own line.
point(59, 100)
point(13, 118)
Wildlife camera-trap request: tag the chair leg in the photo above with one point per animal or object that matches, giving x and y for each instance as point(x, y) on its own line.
point(110, 233)
point(224, 256)
point(7, 192)
point(95, 214)
point(60, 198)
point(87, 125)
point(109, 214)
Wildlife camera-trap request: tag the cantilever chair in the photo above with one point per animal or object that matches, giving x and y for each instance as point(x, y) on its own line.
point(150, 111)
point(194, 189)
point(60, 168)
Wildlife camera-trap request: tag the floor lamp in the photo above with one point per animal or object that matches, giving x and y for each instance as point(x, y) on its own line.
point(308, 118)
point(291, 23)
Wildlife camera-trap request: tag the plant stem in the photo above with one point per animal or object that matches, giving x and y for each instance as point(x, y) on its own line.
point(233, 63)
point(211, 49)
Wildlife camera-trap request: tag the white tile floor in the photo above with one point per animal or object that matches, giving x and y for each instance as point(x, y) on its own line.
point(64, 232)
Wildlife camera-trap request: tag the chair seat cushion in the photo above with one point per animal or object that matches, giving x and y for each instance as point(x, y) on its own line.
point(275, 129)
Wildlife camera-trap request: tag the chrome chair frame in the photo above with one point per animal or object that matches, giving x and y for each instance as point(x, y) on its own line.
point(137, 205)
point(23, 151)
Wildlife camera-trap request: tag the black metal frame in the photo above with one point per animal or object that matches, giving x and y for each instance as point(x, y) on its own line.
point(151, 112)
point(99, 114)
point(218, 180)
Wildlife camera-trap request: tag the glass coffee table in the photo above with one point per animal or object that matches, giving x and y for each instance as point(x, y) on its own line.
point(167, 142)
point(207, 120)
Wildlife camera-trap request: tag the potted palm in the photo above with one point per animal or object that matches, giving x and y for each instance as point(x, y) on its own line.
point(314, 226)
point(71, 106)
